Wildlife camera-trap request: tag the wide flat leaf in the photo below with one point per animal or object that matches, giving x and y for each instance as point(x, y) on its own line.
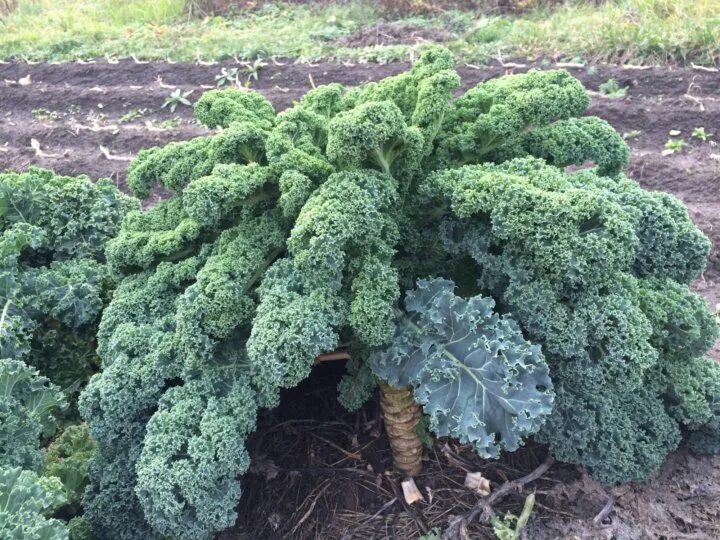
point(474, 374)
point(25, 499)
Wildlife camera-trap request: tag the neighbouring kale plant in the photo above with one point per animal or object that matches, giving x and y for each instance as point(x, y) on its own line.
point(28, 402)
point(53, 285)
point(25, 501)
point(290, 233)
point(53, 277)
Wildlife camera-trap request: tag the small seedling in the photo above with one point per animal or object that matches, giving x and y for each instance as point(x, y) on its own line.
point(178, 97)
point(631, 135)
point(611, 88)
point(171, 124)
point(673, 146)
point(432, 534)
point(700, 134)
point(132, 115)
point(510, 527)
point(44, 114)
point(227, 75)
point(592, 71)
point(253, 70)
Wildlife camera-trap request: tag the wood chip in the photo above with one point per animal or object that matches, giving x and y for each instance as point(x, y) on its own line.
point(705, 68)
point(411, 492)
point(635, 67)
point(203, 62)
point(478, 483)
point(160, 82)
point(135, 59)
point(25, 81)
point(674, 132)
point(108, 155)
point(35, 145)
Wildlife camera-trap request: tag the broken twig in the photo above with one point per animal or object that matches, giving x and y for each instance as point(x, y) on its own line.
point(484, 506)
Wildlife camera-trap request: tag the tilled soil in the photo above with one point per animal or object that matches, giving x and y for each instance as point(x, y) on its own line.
point(59, 116)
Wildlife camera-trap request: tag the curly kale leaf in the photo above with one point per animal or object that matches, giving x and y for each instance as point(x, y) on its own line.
point(415, 92)
point(535, 214)
point(68, 459)
point(487, 122)
point(297, 144)
point(302, 305)
point(620, 436)
point(192, 455)
point(172, 166)
point(25, 501)
point(77, 216)
point(27, 404)
point(577, 140)
point(475, 375)
point(221, 108)
point(375, 135)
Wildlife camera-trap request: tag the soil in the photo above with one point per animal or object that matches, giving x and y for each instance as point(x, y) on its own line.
point(320, 473)
point(330, 482)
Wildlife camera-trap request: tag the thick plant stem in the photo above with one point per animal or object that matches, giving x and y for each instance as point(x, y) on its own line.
point(402, 415)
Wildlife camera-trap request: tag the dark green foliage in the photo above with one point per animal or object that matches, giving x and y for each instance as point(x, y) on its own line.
point(489, 122)
point(53, 277)
point(609, 333)
point(220, 108)
point(79, 528)
point(288, 234)
point(68, 459)
point(172, 166)
point(54, 282)
point(27, 404)
point(620, 436)
point(374, 135)
point(577, 140)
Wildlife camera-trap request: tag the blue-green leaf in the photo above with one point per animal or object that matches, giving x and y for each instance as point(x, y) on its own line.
point(474, 374)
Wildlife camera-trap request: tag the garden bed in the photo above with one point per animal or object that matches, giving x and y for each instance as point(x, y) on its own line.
point(324, 478)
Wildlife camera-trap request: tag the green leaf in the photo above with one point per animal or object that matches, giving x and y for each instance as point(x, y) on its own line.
point(475, 375)
point(25, 499)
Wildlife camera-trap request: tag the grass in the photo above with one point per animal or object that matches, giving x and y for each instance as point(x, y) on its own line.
point(633, 31)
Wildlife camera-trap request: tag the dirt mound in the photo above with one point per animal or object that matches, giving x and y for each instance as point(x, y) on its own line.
point(321, 473)
point(394, 33)
point(682, 500)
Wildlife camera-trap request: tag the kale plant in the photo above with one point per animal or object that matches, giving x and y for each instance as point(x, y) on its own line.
point(290, 233)
point(25, 501)
point(53, 277)
point(53, 285)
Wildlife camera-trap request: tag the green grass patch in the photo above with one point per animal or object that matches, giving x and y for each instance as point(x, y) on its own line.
point(636, 31)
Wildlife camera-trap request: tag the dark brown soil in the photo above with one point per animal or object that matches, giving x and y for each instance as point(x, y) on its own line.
point(320, 473)
point(319, 492)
